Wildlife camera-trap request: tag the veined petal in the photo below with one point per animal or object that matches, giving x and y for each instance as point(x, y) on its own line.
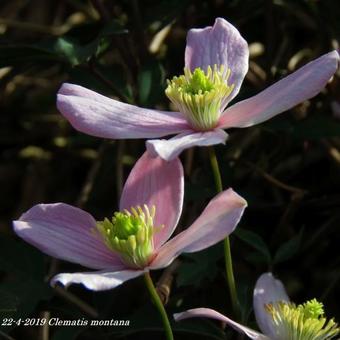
point(267, 290)
point(154, 181)
point(66, 232)
point(169, 149)
point(100, 116)
point(221, 44)
point(301, 85)
point(212, 314)
point(102, 280)
point(218, 220)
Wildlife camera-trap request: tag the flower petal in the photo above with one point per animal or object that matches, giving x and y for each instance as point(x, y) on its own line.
point(102, 280)
point(169, 149)
point(301, 85)
point(154, 181)
point(210, 313)
point(66, 232)
point(100, 116)
point(267, 290)
point(221, 44)
point(217, 221)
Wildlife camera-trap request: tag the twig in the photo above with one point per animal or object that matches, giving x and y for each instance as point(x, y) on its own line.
point(142, 43)
point(333, 221)
point(106, 82)
point(275, 181)
point(330, 286)
point(91, 176)
point(73, 299)
point(332, 151)
point(287, 216)
point(270, 34)
point(164, 284)
point(45, 330)
point(120, 167)
point(81, 201)
point(6, 336)
point(122, 44)
point(83, 7)
point(98, 5)
point(30, 26)
point(84, 195)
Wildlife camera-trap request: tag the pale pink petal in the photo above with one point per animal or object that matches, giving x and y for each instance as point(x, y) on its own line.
point(218, 220)
point(67, 233)
point(210, 313)
point(221, 44)
point(102, 280)
point(100, 116)
point(301, 85)
point(267, 290)
point(154, 181)
point(169, 149)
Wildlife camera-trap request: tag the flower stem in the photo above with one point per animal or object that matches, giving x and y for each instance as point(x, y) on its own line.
point(227, 251)
point(157, 301)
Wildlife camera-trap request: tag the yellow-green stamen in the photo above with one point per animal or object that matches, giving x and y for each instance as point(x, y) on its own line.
point(301, 322)
point(200, 95)
point(130, 234)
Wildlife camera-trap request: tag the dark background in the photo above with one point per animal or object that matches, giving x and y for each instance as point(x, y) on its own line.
point(287, 168)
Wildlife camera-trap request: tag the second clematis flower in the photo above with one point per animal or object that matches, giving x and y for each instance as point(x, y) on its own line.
point(136, 239)
point(276, 316)
point(216, 62)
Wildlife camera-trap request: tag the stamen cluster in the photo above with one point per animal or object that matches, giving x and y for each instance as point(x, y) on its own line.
point(130, 233)
point(200, 95)
point(301, 322)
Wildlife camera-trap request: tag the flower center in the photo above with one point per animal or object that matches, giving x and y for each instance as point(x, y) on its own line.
point(200, 96)
point(301, 322)
point(130, 234)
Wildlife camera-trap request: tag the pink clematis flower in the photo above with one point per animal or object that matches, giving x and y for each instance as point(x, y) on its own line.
point(136, 239)
point(216, 61)
point(276, 316)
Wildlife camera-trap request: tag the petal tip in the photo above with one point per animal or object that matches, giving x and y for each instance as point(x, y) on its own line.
point(177, 316)
point(54, 282)
point(158, 148)
point(66, 88)
point(238, 200)
point(18, 226)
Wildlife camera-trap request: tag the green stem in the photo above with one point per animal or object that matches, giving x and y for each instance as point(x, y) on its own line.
point(157, 301)
point(227, 251)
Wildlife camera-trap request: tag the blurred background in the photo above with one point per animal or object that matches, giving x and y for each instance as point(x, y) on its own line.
point(287, 168)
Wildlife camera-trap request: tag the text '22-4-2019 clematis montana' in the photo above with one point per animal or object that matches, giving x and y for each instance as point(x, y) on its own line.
point(216, 62)
point(135, 240)
point(276, 316)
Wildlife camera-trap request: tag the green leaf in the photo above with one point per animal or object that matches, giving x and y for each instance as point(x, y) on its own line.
point(68, 48)
point(73, 52)
point(151, 83)
point(245, 290)
point(289, 249)
point(254, 241)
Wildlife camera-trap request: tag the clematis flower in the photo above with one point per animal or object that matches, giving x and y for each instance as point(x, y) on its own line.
point(216, 62)
point(136, 239)
point(276, 316)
